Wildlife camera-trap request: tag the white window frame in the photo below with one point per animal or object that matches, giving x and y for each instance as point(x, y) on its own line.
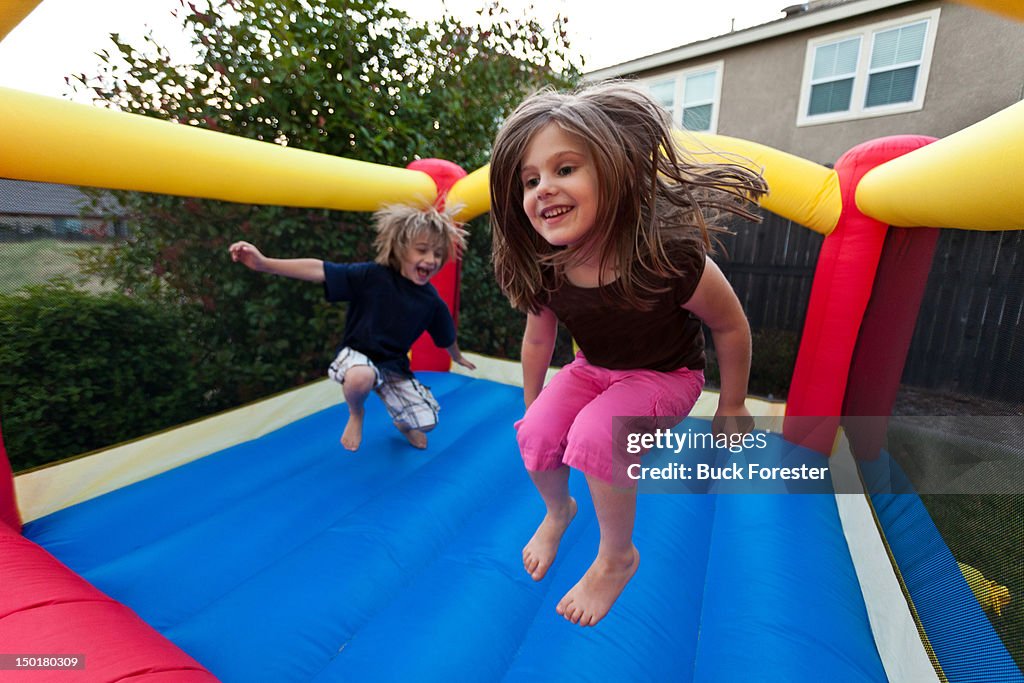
point(860, 80)
point(679, 80)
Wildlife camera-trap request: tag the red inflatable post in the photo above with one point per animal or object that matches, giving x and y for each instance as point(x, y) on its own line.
point(885, 336)
point(843, 282)
point(8, 504)
point(426, 356)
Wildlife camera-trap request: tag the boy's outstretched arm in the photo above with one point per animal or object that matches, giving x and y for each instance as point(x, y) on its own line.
point(309, 269)
point(457, 357)
point(715, 302)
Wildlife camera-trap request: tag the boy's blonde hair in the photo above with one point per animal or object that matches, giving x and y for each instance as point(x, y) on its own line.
point(651, 193)
point(398, 226)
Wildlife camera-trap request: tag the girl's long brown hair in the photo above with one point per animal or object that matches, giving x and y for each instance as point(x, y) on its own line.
point(651, 194)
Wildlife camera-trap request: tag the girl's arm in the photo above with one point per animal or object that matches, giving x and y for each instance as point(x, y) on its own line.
point(309, 269)
point(538, 345)
point(715, 302)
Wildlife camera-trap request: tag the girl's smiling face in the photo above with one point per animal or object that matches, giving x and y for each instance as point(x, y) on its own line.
point(560, 191)
point(421, 260)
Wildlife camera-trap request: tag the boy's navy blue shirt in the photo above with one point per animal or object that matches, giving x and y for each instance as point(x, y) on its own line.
point(387, 312)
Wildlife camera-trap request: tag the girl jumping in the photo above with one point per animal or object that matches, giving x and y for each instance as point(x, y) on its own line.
point(602, 221)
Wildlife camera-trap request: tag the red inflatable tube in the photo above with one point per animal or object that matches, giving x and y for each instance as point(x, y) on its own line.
point(47, 609)
point(8, 505)
point(426, 356)
point(843, 283)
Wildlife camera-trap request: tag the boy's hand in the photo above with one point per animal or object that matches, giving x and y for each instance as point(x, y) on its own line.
point(457, 357)
point(247, 254)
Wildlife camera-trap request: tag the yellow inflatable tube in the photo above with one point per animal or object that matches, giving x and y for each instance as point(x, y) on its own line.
point(472, 193)
point(1014, 10)
point(12, 12)
point(50, 140)
point(798, 189)
point(969, 180)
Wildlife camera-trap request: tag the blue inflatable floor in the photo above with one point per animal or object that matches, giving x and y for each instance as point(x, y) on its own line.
point(289, 559)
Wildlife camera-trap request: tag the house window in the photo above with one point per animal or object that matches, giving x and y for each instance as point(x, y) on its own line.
point(873, 71)
point(691, 96)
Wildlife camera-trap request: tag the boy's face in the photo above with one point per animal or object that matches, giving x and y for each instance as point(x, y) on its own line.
point(421, 260)
point(560, 193)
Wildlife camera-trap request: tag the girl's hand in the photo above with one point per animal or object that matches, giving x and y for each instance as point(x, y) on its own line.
point(247, 254)
point(732, 420)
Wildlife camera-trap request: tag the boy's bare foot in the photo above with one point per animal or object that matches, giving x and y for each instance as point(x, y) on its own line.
point(415, 437)
point(591, 598)
point(353, 434)
point(539, 553)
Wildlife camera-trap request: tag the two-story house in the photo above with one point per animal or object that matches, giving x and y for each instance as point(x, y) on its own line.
point(834, 73)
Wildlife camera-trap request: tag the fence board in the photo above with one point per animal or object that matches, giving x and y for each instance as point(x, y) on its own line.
point(969, 336)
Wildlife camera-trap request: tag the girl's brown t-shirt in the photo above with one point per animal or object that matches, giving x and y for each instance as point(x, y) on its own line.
point(619, 337)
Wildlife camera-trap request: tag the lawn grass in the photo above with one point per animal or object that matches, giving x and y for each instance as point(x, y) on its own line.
point(985, 531)
point(36, 261)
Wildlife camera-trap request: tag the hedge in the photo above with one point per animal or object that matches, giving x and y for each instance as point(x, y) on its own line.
point(83, 371)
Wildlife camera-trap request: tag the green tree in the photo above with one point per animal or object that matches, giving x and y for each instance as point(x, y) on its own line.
point(354, 78)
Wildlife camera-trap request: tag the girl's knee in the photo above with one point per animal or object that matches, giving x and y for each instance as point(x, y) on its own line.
point(531, 431)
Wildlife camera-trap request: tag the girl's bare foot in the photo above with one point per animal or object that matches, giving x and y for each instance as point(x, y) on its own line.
point(415, 437)
point(590, 599)
point(353, 434)
point(539, 553)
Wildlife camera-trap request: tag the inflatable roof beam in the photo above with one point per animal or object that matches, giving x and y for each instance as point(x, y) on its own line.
point(1013, 10)
point(472, 193)
point(12, 12)
point(970, 180)
point(798, 189)
point(53, 141)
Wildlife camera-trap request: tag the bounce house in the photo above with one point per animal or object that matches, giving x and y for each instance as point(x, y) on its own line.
point(242, 548)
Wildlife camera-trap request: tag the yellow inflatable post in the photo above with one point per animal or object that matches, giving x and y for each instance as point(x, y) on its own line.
point(50, 140)
point(798, 189)
point(969, 180)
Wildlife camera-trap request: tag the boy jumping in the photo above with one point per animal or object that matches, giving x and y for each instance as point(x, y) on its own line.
point(391, 303)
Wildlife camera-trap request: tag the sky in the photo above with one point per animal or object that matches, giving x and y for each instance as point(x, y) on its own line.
point(60, 37)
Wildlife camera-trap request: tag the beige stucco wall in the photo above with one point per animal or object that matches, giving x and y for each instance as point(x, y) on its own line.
point(977, 69)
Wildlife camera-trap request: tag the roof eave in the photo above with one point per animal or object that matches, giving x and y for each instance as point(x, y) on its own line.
point(755, 34)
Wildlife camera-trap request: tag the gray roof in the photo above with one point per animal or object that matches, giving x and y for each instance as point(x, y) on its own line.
point(23, 198)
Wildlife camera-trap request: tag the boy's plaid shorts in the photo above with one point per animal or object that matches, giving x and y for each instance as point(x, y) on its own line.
point(409, 402)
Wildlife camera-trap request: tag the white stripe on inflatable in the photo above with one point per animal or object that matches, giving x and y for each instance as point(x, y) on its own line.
point(892, 625)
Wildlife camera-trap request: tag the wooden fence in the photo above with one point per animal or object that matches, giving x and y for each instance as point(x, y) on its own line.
point(969, 337)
